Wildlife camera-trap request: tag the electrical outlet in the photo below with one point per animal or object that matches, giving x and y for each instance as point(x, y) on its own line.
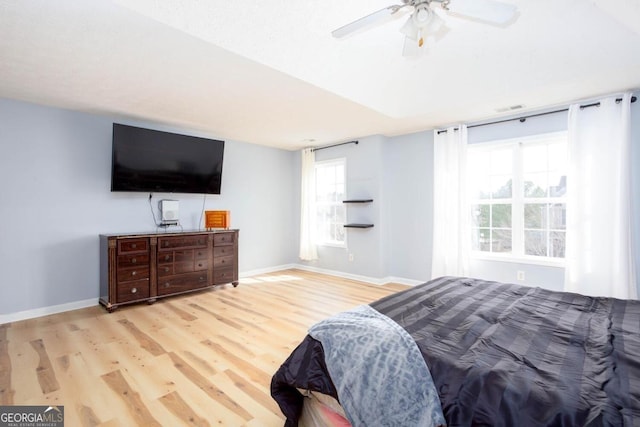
point(350, 257)
point(520, 275)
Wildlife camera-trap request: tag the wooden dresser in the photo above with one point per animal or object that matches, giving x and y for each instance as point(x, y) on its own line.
point(146, 266)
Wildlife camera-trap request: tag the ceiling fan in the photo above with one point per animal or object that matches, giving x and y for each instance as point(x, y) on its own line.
point(424, 24)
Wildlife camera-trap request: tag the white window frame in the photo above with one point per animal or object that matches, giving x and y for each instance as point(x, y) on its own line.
point(338, 203)
point(517, 200)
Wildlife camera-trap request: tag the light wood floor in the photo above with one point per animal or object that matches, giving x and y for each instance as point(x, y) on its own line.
point(200, 359)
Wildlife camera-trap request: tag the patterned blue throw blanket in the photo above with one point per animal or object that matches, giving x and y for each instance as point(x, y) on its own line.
point(388, 383)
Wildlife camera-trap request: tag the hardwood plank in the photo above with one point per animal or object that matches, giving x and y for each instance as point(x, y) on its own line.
point(145, 340)
point(260, 395)
point(182, 410)
point(87, 416)
point(44, 371)
point(6, 392)
point(208, 387)
point(137, 409)
point(184, 315)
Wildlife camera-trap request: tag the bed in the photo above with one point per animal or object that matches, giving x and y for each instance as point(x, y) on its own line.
point(497, 354)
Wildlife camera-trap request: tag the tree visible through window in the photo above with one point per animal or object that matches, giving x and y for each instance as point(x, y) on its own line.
point(330, 211)
point(518, 191)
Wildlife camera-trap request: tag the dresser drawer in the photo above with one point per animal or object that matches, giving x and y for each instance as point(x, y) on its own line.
point(224, 261)
point(201, 254)
point(132, 245)
point(182, 242)
point(181, 267)
point(165, 257)
point(221, 239)
point(183, 282)
point(223, 275)
point(134, 260)
point(221, 251)
point(131, 291)
point(128, 274)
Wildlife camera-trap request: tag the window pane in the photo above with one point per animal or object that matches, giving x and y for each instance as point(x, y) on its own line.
point(557, 185)
point(341, 215)
point(557, 156)
point(535, 185)
point(558, 216)
point(535, 243)
point(501, 241)
point(534, 158)
point(557, 244)
point(502, 162)
point(481, 239)
point(481, 215)
point(501, 216)
point(330, 211)
point(535, 215)
point(501, 187)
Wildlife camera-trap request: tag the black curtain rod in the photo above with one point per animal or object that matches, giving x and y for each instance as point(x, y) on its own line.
point(524, 118)
point(334, 145)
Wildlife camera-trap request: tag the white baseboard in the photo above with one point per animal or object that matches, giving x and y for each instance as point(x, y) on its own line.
point(46, 311)
point(54, 309)
point(360, 278)
point(266, 270)
point(403, 281)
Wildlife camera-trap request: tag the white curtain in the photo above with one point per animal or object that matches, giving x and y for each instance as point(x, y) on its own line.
point(599, 255)
point(451, 214)
point(308, 250)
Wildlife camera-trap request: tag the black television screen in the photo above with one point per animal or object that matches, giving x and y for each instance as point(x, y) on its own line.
point(153, 161)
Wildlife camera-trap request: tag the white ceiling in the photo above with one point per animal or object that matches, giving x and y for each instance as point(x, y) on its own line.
point(269, 71)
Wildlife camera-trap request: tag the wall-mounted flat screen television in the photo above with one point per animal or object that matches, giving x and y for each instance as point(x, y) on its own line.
point(148, 160)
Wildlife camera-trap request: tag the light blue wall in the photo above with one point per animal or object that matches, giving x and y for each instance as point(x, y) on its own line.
point(56, 200)
point(409, 195)
point(365, 173)
point(402, 248)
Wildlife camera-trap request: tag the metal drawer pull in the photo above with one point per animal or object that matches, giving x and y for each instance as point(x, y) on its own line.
point(133, 260)
point(166, 269)
point(166, 285)
point(134, 290)
point(134, 273)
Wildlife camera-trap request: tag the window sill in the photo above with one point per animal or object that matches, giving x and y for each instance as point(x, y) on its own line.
point(332, 245)
point(546, 262)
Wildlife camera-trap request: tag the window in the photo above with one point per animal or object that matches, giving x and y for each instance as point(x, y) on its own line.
point(330, 211)
point(518, 191)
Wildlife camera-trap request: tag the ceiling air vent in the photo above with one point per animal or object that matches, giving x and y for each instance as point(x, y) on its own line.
point(511, 108)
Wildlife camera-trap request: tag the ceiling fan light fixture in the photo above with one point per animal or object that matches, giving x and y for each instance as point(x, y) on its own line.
point(422, 15)
point(410, 29)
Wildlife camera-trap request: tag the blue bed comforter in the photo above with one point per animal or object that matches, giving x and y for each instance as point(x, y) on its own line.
point(387, 383)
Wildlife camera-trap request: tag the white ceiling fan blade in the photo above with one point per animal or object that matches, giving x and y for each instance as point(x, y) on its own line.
point(369, 20)
point(488, 11)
